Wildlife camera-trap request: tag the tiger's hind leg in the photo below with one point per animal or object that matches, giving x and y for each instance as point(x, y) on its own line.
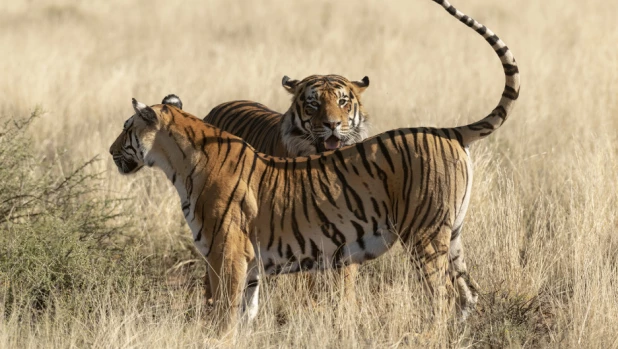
point(466, 287)
point(430, 250)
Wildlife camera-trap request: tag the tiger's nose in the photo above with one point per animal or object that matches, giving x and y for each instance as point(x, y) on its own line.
point(332, 125)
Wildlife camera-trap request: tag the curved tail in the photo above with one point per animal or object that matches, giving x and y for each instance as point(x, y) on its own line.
point(498, 116)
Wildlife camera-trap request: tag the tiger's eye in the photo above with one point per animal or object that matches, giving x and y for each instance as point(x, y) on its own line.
point(342, 102)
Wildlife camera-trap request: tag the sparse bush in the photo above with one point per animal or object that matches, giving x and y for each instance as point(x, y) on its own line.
point(57, 238)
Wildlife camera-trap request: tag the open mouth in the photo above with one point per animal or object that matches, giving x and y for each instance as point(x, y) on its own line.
point(332, 143)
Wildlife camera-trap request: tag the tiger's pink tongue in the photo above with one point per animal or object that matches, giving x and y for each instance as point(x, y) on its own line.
point(332, 143)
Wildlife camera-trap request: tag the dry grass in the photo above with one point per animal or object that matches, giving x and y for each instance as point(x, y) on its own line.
point(540, 234)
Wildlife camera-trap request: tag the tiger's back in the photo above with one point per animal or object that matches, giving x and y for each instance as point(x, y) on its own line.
point(254, 122)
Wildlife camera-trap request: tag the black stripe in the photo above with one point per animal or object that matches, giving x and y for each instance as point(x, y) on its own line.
point(385, 153)
point(407, 183)
point(510, 93)
point(226, 211)
point(253, 164)
point(360, 233)
point(315, 251)
point(361, 151)
point(227, 152)
point(510, 69)
point(348, 191)
point(454, 156)
point(374, 221)
point(241, 157)
point(280, 247)
point(339, 156)
point(382, 175)
point(271, 238)
point(190, 135)
point(500, 52)
point(492, 39)
point(456, 232)
point(289, 254)
point(324, 187)
point(423, 182)
point(296, 231)
point(303, 192)
point(286, 196)
point(376, 207)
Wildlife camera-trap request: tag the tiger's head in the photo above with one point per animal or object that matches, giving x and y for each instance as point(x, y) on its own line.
point(326, 113)
point(131, 148)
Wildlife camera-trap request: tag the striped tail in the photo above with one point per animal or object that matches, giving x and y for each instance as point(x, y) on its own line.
point(497, 117)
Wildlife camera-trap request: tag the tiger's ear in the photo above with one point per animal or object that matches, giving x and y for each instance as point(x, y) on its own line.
point(145, 112)
point(361, 85)
point(172, 99)
point(289, 84)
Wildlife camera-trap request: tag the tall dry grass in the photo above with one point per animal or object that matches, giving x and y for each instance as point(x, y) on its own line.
point(540, 234)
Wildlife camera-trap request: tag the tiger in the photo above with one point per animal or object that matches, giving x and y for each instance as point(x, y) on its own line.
point(252, 214)
point(326, 113)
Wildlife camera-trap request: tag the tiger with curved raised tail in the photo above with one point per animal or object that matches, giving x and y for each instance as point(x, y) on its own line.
point(250, 212)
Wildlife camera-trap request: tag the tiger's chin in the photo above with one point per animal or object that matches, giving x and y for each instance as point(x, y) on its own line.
point(126, 167)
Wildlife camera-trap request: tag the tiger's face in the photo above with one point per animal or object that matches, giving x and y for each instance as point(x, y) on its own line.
point(326, 112)
point(135, 140)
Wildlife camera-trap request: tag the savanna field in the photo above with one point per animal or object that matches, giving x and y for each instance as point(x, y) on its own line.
point(93, 259)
